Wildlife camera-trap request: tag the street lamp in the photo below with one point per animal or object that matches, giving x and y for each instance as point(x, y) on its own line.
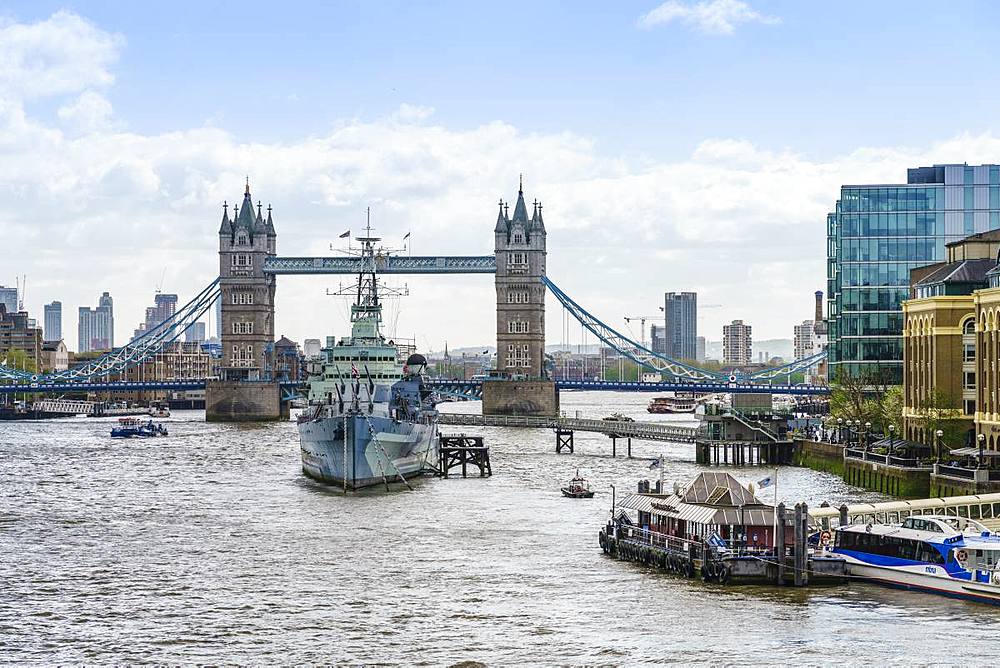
point(892, 441)
point(868, 428)
point(937, 445)
point(840, 430)
point(982, 442)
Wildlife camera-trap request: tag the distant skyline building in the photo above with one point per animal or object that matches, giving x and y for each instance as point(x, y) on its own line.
point(96, 327)
point(313, 347)
point(195, 333)
point(680, 319)
point(802, 340)
point(53, 321)
point(8, 297)
point(700, 349)
point(657, 339)
point(163, 308)
point(875, 236)
point(737, 344)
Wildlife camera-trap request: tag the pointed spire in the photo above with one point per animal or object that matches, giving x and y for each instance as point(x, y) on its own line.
point(520, 208)
point(538, 224)
point(501, 220)
point(269, 225)
point(247, 192)
point(227, 226)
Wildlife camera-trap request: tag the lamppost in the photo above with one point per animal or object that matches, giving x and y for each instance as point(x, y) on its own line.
point(937, 445)
point(840, 430)
point(892, 440)
point(982, 443)
point(868, 428)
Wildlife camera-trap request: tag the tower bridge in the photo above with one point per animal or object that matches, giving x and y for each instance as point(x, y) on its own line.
point(249, 265)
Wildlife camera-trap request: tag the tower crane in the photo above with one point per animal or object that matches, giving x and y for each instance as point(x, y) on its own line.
point(642, 324)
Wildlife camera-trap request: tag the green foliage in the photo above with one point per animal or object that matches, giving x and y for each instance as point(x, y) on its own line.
point(18, 359)
point(867, 397)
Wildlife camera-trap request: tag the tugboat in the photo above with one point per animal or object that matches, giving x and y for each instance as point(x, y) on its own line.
point(370, 420)
point(578, 488)
point(136, 428)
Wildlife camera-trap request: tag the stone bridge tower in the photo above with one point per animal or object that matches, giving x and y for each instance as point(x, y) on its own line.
point(247, 317)
point(247, 292)
point(520, 257)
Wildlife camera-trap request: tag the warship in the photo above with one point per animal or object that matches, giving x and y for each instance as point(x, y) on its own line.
point(370, 419)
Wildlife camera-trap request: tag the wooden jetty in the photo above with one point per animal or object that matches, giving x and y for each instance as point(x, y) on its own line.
point(464, 451)
point(744, 453)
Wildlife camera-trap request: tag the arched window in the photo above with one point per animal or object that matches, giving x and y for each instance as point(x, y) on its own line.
point(518, 237)
point(969, 326)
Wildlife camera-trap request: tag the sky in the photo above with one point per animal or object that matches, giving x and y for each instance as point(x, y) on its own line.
point(679, 145)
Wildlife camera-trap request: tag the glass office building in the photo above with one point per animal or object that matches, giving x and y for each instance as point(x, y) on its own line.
point(876, 235)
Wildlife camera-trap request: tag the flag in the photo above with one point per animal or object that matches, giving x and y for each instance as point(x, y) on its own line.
point(766, 482)
point(406, 236)
point(345, 234)
point(655, 463)
point(354, 370)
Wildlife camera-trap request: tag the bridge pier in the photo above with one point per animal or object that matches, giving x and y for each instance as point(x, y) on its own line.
point(244, 401)
point(564, 440)
point(538, 398)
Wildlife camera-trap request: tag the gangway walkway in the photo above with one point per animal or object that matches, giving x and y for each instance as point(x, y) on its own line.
point(648, 431)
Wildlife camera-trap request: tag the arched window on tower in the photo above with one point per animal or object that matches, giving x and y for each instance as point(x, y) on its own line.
point(241, 239)
point(518, 237)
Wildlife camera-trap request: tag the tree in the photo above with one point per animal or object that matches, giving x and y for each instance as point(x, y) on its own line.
point(867, 396)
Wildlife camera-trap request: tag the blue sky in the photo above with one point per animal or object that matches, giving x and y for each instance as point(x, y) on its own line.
point(706, 145)
point(826, 76)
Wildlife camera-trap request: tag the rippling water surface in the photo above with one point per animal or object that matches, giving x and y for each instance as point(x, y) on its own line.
point(210, 546)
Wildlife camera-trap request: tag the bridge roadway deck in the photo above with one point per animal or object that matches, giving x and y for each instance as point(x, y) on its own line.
point(647, 431)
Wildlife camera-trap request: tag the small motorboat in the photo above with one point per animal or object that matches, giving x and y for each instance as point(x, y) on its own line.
point(159, 411)
point(136, 428)
point(578, 488)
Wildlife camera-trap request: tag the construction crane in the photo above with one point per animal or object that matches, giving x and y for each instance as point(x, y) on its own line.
point(642, 324)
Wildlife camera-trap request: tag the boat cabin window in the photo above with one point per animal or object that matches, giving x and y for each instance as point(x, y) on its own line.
point(921, 525)
point(889, 546)
point(987, 511)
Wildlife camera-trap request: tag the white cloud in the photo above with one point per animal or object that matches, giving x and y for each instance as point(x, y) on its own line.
point(87, 113)
point(109, 209)
point(63, 54)
point(714, 17)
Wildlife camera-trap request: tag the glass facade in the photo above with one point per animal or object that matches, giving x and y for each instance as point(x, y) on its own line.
point(876, 235)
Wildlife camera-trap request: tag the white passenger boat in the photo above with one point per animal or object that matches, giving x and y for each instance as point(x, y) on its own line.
point(954, 556)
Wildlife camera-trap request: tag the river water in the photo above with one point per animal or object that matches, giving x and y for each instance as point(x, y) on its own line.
point(210, 546)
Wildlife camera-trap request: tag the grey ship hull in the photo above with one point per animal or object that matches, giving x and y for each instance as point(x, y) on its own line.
point(398, 449)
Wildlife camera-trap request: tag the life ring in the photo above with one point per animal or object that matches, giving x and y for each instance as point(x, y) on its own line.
point(961, 555)
point(824, 538)
point(723, 575)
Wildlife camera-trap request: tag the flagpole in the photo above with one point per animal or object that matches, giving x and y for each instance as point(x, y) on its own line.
point(661, 473)
point(774, 528)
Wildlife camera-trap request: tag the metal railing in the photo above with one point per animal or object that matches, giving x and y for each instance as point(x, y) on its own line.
point(644, 430)
point(887, 459)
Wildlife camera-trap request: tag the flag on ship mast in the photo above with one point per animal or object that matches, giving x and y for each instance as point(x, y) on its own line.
point(345, 234)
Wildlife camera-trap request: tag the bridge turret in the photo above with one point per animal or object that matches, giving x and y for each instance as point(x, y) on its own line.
point(520, 259)
point(247, 292)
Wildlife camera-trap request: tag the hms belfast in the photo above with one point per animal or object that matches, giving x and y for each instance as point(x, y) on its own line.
point(370, 419)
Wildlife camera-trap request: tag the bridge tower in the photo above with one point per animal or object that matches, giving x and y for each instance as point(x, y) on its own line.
point(520, 257)
point(520, 267)
point(247, 317)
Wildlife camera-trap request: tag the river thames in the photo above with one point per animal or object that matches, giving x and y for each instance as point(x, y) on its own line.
point(210, 546)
